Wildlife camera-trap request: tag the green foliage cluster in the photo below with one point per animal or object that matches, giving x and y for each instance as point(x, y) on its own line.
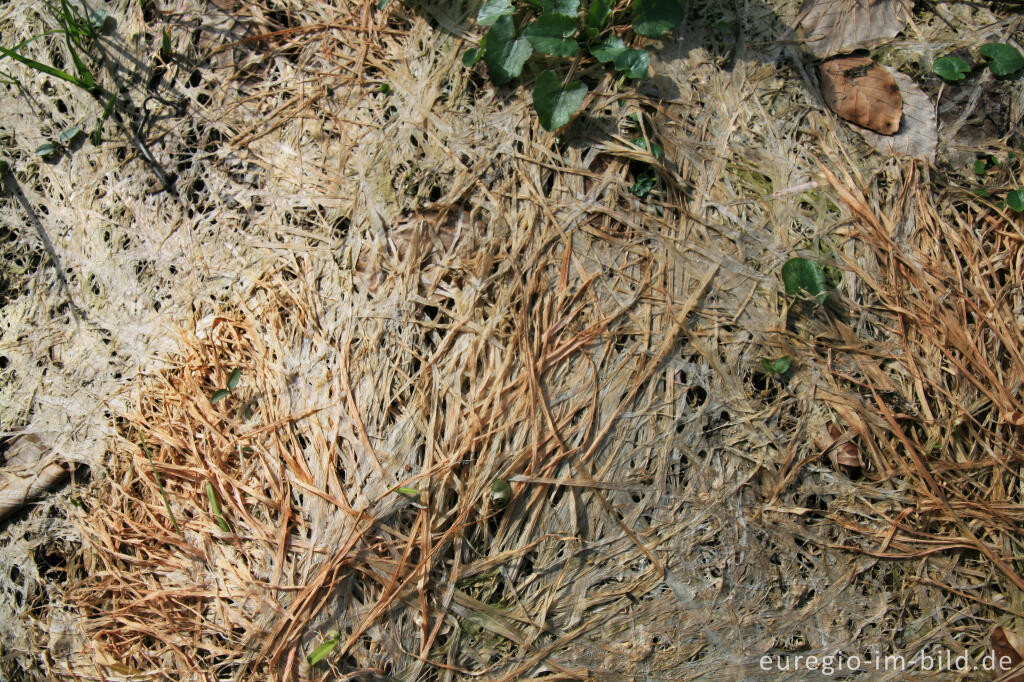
point(80, 28)
point(995, 169)
point(1004, 60)
point(567, 29)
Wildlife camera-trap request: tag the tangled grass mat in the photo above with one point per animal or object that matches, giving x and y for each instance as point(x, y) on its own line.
point(379, 272)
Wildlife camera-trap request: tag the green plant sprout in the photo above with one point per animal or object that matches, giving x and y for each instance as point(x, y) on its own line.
point(233, 379)
point(1004, 60)
point(1014, 198)
point(320, 653)
point(211, 495)
point(804, 278)
point(519, 29)
point(80, 31)
point(160, 487)
point(776, 367)
point(951, 68)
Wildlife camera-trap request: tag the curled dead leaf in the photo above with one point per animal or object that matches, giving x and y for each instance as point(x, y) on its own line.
point(846, 456)
point(862, 92)
point(1014, 417)
point(1006, 645)
point(837, 26)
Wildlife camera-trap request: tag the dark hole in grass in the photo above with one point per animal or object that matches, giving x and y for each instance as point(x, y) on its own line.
point(696, 396)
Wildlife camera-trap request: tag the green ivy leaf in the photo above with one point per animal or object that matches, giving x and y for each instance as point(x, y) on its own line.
point(608, 49)
point(1015, 200)
point(778, 367)
point(655, 18)
point(556, 105)
point(597, 14)
point(234, 378)
point(981, 192)
point(951, 68)
point(549, 32)
point(656, 149)
point(643, 186)
point(320, 653)
point(569, 8)
point(1006, 60)
point(634, 62)
point(219, 396)
point(980, 167)
point(493, 10)
point(505, 54)
point(804, 276)
point(471, 56)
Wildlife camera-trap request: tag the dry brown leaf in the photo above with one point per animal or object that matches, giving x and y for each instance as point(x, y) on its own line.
point(862, 92)
point(846, 455)
point(838, 26)
point(29, 472)
point(918, 135)
point(1007, 644)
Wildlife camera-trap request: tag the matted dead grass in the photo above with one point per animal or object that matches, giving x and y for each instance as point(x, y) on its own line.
point(423, 289)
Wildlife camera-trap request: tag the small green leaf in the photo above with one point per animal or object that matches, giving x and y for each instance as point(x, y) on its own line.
point(493, 10)
point(46, 149)
point(69, 135)
point(382, 4)
point(211, 495)
point(656, 149)
point(981, 192)
point(608, 49)
point(569, 8)
point(556, 105)
point(471, 56)
point(778, 367)
point(1006, 60)
point(411, 492)
point(643, 186)
point(980, 167)
point(505, 54)
point(219, 396)
point(320, 653)
point(98, 19)
point(634, 62)
point(801, 275)
point(951, 68)
point(501, 492)
point(548, 35)
point(597, 14)
point(234, 378)
point(1015, 200)
point(165, 47)
point(655, 18)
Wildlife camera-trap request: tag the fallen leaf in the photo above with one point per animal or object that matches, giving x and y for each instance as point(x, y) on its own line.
point(847, 455)
point(918, 135)
point(862, 92)
point(29, 471)
point(837, 26)
point(1005, 644)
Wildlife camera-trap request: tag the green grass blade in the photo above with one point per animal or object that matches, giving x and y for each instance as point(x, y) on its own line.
point(160, 486)
point(46, 68)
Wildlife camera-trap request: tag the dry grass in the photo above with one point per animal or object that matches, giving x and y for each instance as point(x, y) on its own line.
point(424, 289)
